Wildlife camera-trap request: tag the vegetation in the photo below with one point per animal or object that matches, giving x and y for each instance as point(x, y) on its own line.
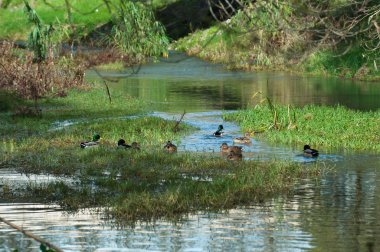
point(150, 184)
point(136, 32)
point(30, 80)
point(320, 126)
point(337, 38)
point(15, 24)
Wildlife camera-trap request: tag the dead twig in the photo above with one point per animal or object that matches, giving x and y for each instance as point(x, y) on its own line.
point(175, 129)
point(108, 91)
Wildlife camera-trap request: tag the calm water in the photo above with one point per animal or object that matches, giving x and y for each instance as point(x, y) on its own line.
point(184, 83)
point(341, 212)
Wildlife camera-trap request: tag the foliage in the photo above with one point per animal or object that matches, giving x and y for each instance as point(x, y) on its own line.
point(318, 37)
point(33, 81)
point(356, 63)
point(136, 33)
point(39, 37)
point(15, 26)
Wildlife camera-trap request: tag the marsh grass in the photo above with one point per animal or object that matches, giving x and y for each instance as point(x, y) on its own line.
point(320, 126)
point(80, 105)
point(58, 151)
point(150, 185)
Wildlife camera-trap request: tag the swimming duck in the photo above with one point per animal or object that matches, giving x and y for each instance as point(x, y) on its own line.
point(243, 140)
point(93, 143)
point(224, 148)
point(219, 132)
point(235, 156)
point(308, 152)
point(170, 147)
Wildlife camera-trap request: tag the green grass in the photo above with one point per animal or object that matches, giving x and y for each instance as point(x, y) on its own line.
point(319, 126)
point(15, 25)
point(115, 66)
point(82, 105)
point(353, 64)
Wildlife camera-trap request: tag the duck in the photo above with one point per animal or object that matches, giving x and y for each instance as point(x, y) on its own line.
point(244, 139)
point(224, 148)
point(219, 132)
point(121, 144)
point(308, 152)
point(135, 146)
point(93, 143)
point(235, 156)
point(170, 147)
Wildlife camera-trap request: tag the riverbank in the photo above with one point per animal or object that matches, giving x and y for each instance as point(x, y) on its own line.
point(220, 44)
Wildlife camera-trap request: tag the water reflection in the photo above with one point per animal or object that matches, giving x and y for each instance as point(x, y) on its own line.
point(257, 228)
point(194, 85)
point(343, 213)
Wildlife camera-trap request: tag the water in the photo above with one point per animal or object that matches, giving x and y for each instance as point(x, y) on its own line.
point(338, 213)
point(184, 83)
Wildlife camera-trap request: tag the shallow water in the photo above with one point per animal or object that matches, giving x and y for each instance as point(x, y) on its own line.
point(338, 213)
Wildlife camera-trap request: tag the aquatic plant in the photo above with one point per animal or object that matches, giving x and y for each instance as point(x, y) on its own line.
point(151, 185)
point(321, 126)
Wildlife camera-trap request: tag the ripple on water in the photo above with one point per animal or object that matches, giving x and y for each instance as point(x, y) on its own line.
point(245, 229)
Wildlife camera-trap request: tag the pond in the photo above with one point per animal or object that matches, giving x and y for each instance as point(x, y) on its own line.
point(340, 212)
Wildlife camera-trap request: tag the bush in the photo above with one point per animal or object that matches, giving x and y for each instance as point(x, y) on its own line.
point(29, 80)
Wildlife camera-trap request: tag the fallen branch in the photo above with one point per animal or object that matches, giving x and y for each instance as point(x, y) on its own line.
point(48, 244)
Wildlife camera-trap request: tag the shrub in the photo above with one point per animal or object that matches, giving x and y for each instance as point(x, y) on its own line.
point(29, 80)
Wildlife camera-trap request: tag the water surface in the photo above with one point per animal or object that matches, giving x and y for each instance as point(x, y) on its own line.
point(187, 83)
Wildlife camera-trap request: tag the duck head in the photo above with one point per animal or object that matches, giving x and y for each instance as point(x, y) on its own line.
point(135, 145)
point(224, 147)
point(95, 137)
point(121, 142)
point(306, 147)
